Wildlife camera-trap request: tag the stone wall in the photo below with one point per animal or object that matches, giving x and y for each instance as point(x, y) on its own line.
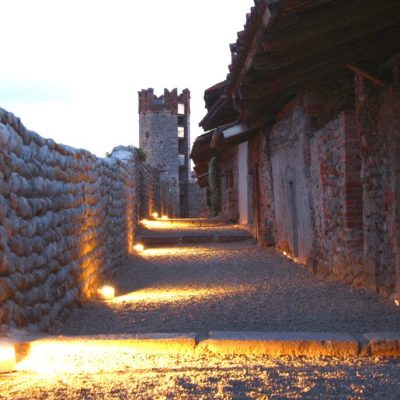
point(198, 207)
point(149, 191)
point(378, 125)
point(336, 187)
point(159, 141)
point(260, 164)
point(66, 219)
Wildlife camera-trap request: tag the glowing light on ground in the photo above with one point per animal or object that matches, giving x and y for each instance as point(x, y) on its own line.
point(169, 251)
point(138, 247)
point(7, 356)
point(164, 217)
point(155, 215)
point(52, 357)
point(174, 295)
point(106, 293)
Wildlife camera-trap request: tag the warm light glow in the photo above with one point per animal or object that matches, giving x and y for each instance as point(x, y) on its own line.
point(138, 247)
point(169, 251)
point(155, 214)
point(163, 224)
point(58, 356)
point(174, 295)
point(397, 302)
point(106, 293)
point(7, 356)
point(164, 217)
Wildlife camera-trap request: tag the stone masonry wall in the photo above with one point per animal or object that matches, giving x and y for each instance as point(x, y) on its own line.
point(66, 218)
point(337, 188)
point(149, 190)
point(197, 201)
point(260, 160)
point(158, 135)
point(161, 148)
point(378, 124)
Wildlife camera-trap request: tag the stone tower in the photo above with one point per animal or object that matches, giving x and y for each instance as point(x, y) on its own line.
point(164, 135)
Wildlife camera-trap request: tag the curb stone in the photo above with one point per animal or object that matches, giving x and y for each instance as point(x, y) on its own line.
point(274, 344)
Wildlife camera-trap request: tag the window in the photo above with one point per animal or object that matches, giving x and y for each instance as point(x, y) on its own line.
point(181, 108)
point(181, 132)
point(181, 159)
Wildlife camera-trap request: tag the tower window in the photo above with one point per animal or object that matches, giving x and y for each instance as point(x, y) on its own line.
point(181, 108)
point(181, 132)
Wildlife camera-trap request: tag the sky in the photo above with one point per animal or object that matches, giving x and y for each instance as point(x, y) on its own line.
point(71, 69)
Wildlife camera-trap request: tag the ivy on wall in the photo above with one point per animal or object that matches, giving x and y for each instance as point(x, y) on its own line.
point(214, 180)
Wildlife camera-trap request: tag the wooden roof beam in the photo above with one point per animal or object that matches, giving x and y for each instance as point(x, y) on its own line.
point(344, 13)
point(383, 20)
point(340, 56)
point(376, 81)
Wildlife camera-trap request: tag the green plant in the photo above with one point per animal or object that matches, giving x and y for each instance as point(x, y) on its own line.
point(214, 180)
point(141, 154)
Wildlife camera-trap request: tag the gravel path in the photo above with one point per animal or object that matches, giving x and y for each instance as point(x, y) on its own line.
point(105, 375)
point(238, 286)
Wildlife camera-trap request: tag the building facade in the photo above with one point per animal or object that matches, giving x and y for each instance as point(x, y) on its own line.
point(306, 129)
point(164, 136)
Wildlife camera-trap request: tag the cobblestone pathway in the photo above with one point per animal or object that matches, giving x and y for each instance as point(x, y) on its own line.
point(228, 286)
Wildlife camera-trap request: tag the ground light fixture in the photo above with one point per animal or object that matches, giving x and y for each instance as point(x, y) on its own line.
point(7, 356)
point(138, 247)
point(105, 292)
point(164, 217)
point(155, 215)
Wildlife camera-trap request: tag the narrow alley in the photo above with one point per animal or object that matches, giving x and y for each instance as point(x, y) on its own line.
point(229, 286)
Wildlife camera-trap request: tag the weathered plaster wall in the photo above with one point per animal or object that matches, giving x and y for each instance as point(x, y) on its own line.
point(291, 183)
point(66, 218)
point(229, 182)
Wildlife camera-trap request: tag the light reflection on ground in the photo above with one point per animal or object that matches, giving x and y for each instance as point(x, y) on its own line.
point(172, 295)
point(90, 372)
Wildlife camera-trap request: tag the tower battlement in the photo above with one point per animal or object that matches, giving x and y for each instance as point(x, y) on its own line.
point(149, 102)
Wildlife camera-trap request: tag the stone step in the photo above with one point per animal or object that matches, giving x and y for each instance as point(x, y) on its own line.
point(201, 222)
point(152, 238)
